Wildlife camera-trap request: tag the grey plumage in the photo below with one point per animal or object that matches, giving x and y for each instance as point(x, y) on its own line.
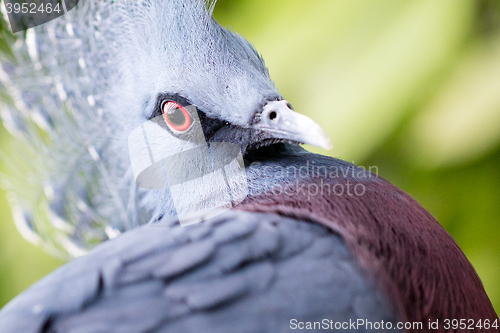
point(239, 272)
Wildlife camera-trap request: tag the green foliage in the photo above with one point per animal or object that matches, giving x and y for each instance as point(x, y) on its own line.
point(21, 263)
point(7, 38)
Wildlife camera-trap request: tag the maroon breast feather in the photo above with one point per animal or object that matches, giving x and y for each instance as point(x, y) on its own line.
point(415, 261)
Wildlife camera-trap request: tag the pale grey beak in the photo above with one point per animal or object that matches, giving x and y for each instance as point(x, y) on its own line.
point(279, 120)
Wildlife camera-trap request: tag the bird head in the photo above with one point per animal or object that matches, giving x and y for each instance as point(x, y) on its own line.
point(201, 84)
point(196, 64)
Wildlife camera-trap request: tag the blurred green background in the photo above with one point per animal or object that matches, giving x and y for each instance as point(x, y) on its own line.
point(411, 87)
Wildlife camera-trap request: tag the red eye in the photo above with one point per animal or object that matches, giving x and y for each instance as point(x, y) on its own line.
point(177, 118)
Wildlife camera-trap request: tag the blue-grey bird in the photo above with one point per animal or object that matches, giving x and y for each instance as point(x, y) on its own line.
point(140, 118)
